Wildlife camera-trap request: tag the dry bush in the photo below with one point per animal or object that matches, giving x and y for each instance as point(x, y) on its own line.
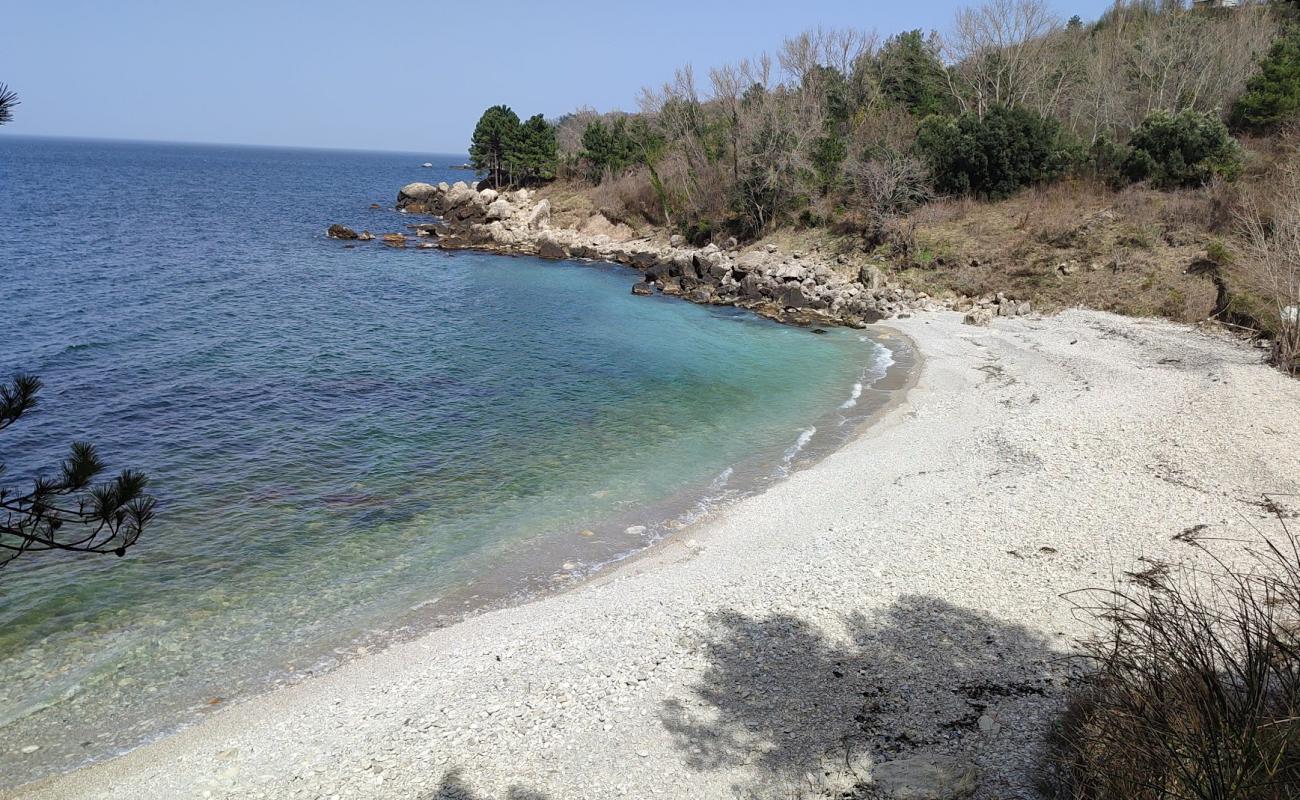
point(885, 187)
point(1196, 692)
point(629, 199)
point(944, 210)
point(1270, 269)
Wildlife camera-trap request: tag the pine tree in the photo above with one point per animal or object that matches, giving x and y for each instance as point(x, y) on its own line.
point(1272, 96)
point(8, 99)
point(537, 150)
point(912, 75)
point(66, 512)
point(495, 137)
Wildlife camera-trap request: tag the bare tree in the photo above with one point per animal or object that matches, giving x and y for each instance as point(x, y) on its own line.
point(1272, 264)
point(1002, 52)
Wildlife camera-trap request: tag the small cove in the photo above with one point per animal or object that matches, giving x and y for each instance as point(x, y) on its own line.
point(348, 444)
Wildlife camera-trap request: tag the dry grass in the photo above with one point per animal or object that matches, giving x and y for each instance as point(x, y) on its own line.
point(1270, 267)
point(1071, 243)
point(1196, 692)
point(629, 199)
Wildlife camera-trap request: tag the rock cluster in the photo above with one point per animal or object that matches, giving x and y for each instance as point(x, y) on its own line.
point(982, 311)
point(792, 287)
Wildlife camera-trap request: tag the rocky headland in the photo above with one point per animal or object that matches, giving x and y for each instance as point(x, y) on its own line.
point(800, 287)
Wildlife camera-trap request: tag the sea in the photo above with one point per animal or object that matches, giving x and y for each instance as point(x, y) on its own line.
point(349, 443)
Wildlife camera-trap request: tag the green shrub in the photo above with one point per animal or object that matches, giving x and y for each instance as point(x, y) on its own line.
point(698, 234)
point(1218, 252)
point(1105, 160)
point(1181, 150)
point(993, 156)
point(1272, 96)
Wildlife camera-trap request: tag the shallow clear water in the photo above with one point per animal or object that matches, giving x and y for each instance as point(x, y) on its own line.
point(338, 437)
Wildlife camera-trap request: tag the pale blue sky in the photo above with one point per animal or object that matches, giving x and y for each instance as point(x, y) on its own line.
point(379, 75)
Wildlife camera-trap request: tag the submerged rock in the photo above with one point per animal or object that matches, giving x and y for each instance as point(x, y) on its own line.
point(394, 240)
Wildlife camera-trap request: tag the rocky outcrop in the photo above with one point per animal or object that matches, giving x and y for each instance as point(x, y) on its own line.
point(805, 288)
point(337, 231)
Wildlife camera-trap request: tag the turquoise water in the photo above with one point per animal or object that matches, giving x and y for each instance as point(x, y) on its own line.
point(345, 442)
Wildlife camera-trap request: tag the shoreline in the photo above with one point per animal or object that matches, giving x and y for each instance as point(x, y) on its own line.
point(899, 599)
point(524, 574)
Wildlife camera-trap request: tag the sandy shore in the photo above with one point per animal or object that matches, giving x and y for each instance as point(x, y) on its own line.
point(900, 597)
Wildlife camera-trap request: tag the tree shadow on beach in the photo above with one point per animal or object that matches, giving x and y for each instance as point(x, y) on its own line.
point(454, 787)
point(798, 708)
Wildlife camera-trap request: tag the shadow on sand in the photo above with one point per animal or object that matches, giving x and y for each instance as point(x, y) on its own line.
point(790, 710)
point(800, 709)
point(454, 787)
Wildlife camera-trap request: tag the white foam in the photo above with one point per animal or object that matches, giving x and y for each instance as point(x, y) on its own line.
point(722, 479)
point(853, 396)
point(804, 438)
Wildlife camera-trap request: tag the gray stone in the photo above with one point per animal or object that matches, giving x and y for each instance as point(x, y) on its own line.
point(416, 192)
point(548, 247)
point(753, 261)
point(499, 209)
point(978, 316)
point(458, 195)
point(792, 297)
point(925, 777)
point(642, 288)
point(541, 216)
point(871, 277)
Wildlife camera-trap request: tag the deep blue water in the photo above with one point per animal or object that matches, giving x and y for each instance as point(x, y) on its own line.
point(341, 439)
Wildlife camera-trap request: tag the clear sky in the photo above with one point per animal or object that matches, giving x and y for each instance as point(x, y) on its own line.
point(380, 75)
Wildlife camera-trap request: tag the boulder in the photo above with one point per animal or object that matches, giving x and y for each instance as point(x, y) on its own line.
point(365, 236)
point(642, 288)
point(792, 296)
point(416, 192)
point(752, 286)
point(394, 240)
point(458, 195)
point(791, 272)
point(499, 209)
point(684, 265)
point(925, 777)
point(753, 261)
point(548, 247)
point(487, 196)
point(502, 235)
point(978, 316)
point(711, 264)
point(541, 216)
point(337, 231)
point(676, 240)
point(871, 277)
